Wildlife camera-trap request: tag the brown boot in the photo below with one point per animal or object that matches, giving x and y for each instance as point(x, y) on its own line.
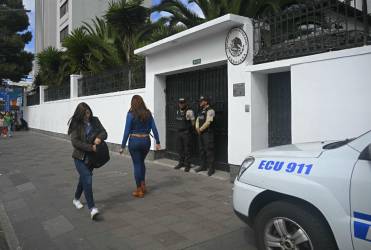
point(143, 186)
point(138, 193)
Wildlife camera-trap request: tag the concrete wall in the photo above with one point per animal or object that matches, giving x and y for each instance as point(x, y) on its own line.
point(239, 121)
point(179, 58)
point(330, 98)
point(259, 111)
point(85, 10)
point(110, 108)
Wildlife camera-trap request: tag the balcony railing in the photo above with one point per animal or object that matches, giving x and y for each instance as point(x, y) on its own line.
point(311, 27)
point(112, 81)
point(60, 92)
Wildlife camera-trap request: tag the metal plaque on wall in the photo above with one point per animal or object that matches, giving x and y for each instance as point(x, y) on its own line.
point(239, 89)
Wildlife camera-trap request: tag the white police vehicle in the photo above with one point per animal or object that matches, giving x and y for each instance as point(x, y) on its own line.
point(308, 196)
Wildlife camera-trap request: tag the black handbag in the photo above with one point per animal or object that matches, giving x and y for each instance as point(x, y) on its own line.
point(100, 157)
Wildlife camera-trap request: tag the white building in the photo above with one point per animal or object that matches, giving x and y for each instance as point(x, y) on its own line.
point(55, 19)
point(314, 97)
point(45, 24)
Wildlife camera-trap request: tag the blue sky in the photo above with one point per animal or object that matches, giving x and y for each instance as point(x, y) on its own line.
point(30, 5)
point(192, 6)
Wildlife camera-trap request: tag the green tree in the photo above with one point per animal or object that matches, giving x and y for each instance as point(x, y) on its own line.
point(53, 67)
point(131, 22)
point(92, 48)
point(104, 53)
point(15, 62)
point(77, 50)
point(180, 14)
point(211, 9)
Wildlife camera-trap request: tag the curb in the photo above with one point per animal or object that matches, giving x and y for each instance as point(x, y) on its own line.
point(8, 230)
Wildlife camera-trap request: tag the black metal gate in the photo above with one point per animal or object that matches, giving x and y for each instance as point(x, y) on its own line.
point(211, 82)
point(279, 109)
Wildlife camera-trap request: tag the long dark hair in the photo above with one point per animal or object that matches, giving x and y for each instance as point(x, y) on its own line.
point(77, 119)
point(139, 109)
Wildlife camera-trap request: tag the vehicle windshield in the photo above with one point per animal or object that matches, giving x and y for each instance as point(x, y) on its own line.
point(338, 144)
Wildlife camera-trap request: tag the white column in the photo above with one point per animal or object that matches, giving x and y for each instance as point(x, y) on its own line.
point(74, 85)
point(25, 97)
point(42, 95)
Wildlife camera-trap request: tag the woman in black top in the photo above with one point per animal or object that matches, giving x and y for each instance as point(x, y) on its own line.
point(86, 132)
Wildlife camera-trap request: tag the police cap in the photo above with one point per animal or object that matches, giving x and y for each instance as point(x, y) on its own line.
point(204, 98)
point(182, 100)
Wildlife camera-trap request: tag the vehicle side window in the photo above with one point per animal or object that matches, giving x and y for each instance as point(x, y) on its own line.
point(366, 154)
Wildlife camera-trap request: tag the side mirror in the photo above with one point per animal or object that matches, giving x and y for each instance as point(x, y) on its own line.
point(366, 154)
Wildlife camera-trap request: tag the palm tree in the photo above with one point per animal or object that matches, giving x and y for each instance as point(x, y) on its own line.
point(92, 48)
point(103, 45)
point(77, 50)
point(131, 22)
point(53, 67)
point(211, 9)
point(160, 31)
point(180, 14)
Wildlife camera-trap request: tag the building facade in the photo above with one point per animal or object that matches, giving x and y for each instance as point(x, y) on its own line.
point(45, 24)
point(55, 19)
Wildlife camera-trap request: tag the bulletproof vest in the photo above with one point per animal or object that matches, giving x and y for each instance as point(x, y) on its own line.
point(182, 123)
point(202, 119)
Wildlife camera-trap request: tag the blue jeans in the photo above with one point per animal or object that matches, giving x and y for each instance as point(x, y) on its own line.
point(85, 183)
point(139, 148)
point(10, 130)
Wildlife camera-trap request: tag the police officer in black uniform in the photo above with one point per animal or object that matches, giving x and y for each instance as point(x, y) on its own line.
point(185, 121)
point(205, 130)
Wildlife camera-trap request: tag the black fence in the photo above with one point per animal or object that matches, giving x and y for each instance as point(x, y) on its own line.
point(112, 81)
point(53, 93)
point(311, 27)
point(33, 97)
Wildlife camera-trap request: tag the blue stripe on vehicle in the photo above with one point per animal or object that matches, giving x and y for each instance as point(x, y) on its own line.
point(362, 216)
point(361, 231)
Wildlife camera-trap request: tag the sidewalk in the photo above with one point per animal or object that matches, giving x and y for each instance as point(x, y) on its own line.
point(181, 211)
point(3, 243)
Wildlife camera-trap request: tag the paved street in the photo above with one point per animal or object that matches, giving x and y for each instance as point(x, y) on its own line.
point(181, 210)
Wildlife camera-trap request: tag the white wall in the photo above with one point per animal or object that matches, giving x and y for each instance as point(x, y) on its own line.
point(259, 111)
point(209, 49)
point(331, 98)
point(239, 121)
point(110, 108)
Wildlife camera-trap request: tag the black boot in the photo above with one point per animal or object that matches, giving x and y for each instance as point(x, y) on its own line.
point(187, 168)
point(211, 171)
point(179, 166)
point(201, 168)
